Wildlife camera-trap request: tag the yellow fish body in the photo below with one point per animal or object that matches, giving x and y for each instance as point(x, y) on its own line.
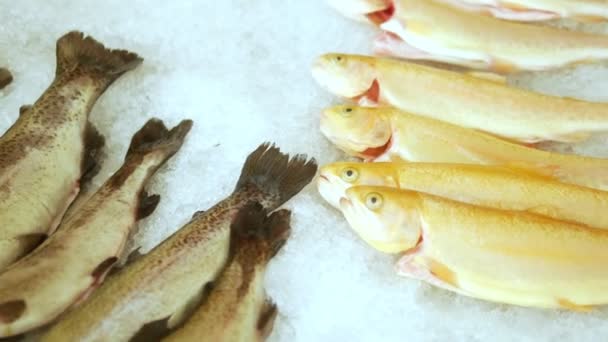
point(491, 186)
point(388, 134)
point(502, 256)
point(436, 31)
point(461, 99)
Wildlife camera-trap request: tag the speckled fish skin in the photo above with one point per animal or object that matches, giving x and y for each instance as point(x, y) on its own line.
point(538, 10)
point(161, 284)
point(502, 110)
point(388, 134)
point(237, 308)
point(72, 263)
point(501, 256)
point(437, 31)
point(43, 155)
point(491, 186)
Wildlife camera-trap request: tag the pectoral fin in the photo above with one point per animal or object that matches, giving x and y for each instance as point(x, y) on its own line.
point(147, 205)
point(267, 317)
point(490, 76)
point(568, 305)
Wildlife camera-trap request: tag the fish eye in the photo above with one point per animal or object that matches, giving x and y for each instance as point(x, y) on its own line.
point(373, 201)
point(350, 175)
point(347, 112)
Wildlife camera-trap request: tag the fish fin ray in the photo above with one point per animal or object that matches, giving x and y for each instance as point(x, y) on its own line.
point(147, 204)
point(155, 136)
point(11, 311)
point(267, 318)
point(75, 51)
point(275, 173)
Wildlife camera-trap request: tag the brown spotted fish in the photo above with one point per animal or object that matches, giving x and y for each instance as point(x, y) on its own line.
point(46, 153)
point(73, 262)
point(5, 77)
point(237, 308)
point(162, 284)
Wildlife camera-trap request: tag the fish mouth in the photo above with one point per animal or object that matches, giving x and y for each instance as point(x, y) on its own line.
point(371, 96)
point(380, 17)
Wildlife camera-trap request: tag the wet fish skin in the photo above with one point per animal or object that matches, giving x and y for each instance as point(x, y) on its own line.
point(388, 134)
point(237, 308)
point(436, 31)
point(484, 185)
point(161, 284)
point(44, 154)
point(72, 263)
point(512, 113)
point(544, 263)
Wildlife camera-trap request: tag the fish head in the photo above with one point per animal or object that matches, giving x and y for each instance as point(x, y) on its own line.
point(351, 76)
point(336, 178)
point(363, 132)
point(369, 11)
point(386, 218)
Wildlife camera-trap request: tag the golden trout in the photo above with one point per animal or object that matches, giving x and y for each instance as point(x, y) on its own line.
point(461, 99)
point(237, 308)
point(73, 262)
point(388, 134)
point(433, 30)
point(162, 284)
point(5, 77)
point(497, 255)
point(538, 10)
point(436, 31)
point(491, 186)
point(51, 148)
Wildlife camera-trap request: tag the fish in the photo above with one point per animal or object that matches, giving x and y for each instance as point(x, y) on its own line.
point(390, 135)
point(502, 256)
point(483, 185)
point(237, 308)
point(5, 77)
point(461, 99)
point(589, 11)
point(52, 149)
point(73, 262)
point(163, 283)
point(437, 31)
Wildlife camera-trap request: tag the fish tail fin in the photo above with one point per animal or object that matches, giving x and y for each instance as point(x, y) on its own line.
point(75, 51)
point(261, 235)
point(277, 175)
point(155, 137)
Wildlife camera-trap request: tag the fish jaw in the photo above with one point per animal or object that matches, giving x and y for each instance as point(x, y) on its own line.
point(349, 76)
point(331, 188)
point(358, 131)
